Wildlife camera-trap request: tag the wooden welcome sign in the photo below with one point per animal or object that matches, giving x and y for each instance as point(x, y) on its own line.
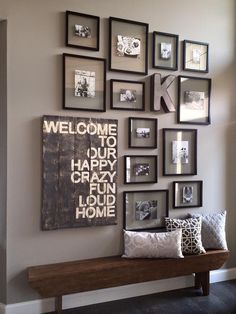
point(79, 172)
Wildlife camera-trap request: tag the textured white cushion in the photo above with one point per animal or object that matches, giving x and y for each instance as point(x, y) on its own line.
point(213, 230)
point(151, 245)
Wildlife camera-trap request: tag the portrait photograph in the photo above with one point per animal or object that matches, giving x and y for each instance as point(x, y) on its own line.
point(187, 194)
point(141, 169)
point(84, 84)
point(82, 31)
point(180, 152)
point(128, 95)
point(165, 51)
point(128, 46)
point(146, 210)
point(194, 100)
point(143, 132)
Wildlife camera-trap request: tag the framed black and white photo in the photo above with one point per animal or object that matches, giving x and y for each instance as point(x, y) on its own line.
point(128, 46)
point(165, 51)
point(127, 95)
point(142, 133)
point(194, 100)
point(140, 169)
point(82, 30)
point(84, 83)
point(179, 152)
point(145, 209)
point(187, 194)
point(195, 56)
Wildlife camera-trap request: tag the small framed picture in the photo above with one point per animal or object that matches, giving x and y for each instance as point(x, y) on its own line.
point(84, 83)
point(194, 100)
point(165, 51)
point(82, 30)
point(145, 209)
point(142, 133)
point(127, 95)
point(128, 46)
point(195, 56)
point(179, 152)
point(140, 169)
point(187, 194)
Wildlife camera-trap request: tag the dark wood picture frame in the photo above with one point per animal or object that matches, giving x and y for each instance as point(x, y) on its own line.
point(133, 62)
point(140, 169)
point(87, 35)
point(82, 67)
point(179, 157)
point(194, 97)
point(164, 59)
point(142, 213)
point(187, 194)
point(195, 58)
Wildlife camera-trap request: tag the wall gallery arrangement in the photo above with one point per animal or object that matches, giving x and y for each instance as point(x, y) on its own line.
point(80, 154)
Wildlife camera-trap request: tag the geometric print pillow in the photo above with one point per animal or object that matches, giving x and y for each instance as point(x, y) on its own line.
point(191, 233)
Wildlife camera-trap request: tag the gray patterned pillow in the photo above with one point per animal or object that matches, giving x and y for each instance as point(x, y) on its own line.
point(191, 233)
point(213, 230)
point(152, 245)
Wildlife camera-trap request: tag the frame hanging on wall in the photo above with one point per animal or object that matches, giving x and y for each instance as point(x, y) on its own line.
point(187, 194)
point(195, 56)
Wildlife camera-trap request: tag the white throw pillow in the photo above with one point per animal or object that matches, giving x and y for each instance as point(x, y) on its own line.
point(152, 245)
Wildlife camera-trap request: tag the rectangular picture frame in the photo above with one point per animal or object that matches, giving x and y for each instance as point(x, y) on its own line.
point(143, 132)
point(140, 169)
point(145, 210)
point(195, 56)
point(82, 30)
point(179, 152)
point(127, 95)
point(128, 46)
point(194, 95)
point(84, 83)
point(187, 194)
point(165, 51)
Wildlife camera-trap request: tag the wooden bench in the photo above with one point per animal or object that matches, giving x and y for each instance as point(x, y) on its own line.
point(56, 280)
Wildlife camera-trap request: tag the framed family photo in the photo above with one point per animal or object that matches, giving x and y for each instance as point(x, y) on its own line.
point(195, 56)
point(145, 209)
point(128, 46)
point(84, 83)
point(187, 194)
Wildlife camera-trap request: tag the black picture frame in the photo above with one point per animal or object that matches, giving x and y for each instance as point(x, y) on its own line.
point(187, 194)
point(127, 95)
point(145, 209)
point(179, 152)
point(133, 34)
point(84, 35)
point(194, 95)
point(164, 56)
point(140, 169)
point(93, 72)
point(143, 132)
point(195, 56)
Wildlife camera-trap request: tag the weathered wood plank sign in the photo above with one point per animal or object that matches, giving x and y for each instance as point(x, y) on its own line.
point(79, 172)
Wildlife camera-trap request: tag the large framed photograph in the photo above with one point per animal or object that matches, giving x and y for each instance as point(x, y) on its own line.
point(165, 51)
point(194, 100)
point(187, 194)
point(128, 46)
point(140, 169)
point(145, 209)
point(84, 83)
point(127, 95)
point(142, 133)
point(82, 30)
point(179, 152)
point(195, 56)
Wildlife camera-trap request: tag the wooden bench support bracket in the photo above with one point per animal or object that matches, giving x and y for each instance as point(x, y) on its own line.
point(58, 304)
point(202, 280)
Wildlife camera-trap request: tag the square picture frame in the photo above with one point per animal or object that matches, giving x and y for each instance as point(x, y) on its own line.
point(145, 210)
point(143, 132)
point(179, 152)
point(84, 83)
point(194, 95)
point(140, 169)
point(165, 51)
point(82, 30)
point(195, 56)
point(128, 46)
point(187, 194)
point(127, 95)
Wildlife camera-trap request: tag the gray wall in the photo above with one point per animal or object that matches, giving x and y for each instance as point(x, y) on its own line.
point(35, 46)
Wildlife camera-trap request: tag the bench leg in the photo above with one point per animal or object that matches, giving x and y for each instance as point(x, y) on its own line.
point(58, 304)
point(202, 281)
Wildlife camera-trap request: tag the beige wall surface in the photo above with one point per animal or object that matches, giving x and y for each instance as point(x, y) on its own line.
point(35, 46)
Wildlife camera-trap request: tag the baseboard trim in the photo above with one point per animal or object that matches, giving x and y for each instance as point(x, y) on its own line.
point(106, 295)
